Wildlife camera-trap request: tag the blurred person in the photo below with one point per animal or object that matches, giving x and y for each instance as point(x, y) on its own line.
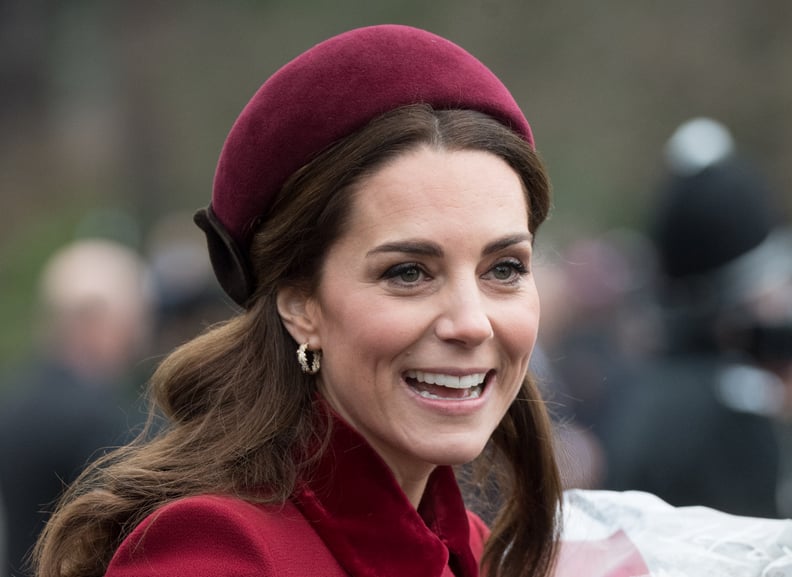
point(695, 425)
point(3, 537)
point(784, 428)
point(762, 326)
point(594, 322)
point(597, 318)
point(188, 299)
point(74, 397)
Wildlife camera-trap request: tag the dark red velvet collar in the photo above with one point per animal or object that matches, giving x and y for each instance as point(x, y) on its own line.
point(355, 504)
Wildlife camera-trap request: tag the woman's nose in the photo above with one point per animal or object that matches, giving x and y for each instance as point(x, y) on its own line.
point(464, 319)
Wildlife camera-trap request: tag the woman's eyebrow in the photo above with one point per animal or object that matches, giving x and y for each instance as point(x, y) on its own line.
point(421, 248)
point(506, 242)
point(426, 248)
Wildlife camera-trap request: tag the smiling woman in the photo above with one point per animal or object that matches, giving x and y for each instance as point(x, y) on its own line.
point(373, 214)
point(424, 346)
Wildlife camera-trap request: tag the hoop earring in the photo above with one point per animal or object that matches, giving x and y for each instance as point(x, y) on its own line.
point(316, 361)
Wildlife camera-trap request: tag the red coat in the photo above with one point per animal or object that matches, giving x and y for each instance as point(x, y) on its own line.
point(351, 519)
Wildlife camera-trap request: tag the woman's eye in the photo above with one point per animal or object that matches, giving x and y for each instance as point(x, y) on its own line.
point(407, 273)
point(508, 270)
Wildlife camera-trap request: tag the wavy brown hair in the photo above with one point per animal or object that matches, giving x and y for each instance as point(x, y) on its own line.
point(242, 416)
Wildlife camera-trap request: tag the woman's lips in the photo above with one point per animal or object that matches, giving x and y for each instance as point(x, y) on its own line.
point(443, 386)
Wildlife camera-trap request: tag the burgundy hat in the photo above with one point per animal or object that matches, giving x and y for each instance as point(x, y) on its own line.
point(324, 94)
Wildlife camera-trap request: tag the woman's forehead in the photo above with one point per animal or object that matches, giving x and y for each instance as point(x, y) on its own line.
point(430, 189)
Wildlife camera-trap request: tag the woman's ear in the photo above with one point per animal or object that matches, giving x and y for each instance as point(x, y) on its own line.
point(298, 313)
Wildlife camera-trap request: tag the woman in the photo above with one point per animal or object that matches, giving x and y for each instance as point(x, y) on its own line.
point(374, 209)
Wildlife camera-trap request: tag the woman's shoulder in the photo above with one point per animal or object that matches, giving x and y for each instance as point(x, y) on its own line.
point(222, 536)
point(227, 507)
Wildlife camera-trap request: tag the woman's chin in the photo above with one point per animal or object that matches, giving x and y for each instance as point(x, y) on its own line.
point(456, 454)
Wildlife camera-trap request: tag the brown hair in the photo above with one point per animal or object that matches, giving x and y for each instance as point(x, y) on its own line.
point(237, 393)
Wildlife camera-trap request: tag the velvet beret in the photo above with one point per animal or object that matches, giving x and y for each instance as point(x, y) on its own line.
point(324, 94)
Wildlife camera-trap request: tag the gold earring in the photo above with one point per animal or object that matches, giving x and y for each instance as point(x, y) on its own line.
point(316, 361)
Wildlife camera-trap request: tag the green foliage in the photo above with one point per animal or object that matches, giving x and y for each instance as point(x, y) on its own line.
point(21, 260)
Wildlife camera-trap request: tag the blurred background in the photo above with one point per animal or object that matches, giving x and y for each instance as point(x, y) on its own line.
point(113, 114)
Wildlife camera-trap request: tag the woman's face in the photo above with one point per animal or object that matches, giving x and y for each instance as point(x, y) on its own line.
point(427, 311)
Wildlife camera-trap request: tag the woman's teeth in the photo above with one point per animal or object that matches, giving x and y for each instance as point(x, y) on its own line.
point(451, 381)
point(441, 386)
point(473, 393)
